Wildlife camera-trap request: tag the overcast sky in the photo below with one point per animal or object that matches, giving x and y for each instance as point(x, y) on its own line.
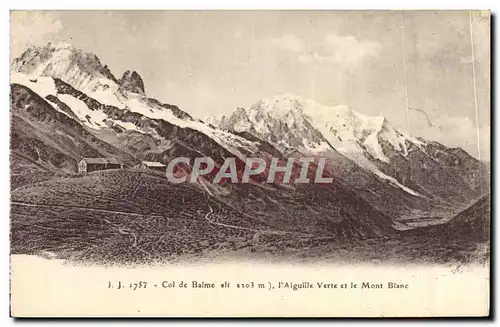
point(210, 62)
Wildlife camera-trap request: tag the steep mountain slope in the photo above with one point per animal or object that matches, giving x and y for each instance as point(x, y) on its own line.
point(46, 140)
point(471, 224)
point(475, 220)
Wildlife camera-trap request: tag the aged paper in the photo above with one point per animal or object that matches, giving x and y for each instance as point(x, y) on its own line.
point(250, 163)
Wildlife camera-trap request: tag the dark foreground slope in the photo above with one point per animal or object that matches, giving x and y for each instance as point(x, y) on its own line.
point(472, 224)
point(128, 215)
point(475, 221)
point(465, 239)
point(121, 215)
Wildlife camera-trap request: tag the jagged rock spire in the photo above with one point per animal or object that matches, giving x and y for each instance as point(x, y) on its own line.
point(132, 82)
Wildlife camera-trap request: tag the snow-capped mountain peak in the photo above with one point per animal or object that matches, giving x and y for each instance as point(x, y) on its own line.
point(80, 69)
point(52, 58)
point(289, 121)
point(288, 117)
point(279, 120)
point(281, 104)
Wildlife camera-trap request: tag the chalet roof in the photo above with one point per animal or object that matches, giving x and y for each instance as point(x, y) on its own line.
point(101, 161)
point(153, 164)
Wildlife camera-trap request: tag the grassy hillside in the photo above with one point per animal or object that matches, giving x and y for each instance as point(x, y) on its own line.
point(122, 215)
point(129, 216)
point(135, 215)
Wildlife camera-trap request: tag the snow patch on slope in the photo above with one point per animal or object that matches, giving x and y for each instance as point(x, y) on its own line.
point(94, 119)
point(43, 86)
point(127, 126)
point(229, 141)
point(135, 103)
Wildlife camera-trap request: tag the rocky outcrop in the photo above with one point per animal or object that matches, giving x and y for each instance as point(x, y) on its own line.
point(132, 82)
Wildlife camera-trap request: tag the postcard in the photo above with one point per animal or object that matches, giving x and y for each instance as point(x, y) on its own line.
point(271, 163)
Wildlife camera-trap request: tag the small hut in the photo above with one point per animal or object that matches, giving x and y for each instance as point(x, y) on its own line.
point(87, 165)
point(152, 165)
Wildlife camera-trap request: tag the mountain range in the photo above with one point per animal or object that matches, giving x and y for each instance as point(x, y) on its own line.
point(66, 105)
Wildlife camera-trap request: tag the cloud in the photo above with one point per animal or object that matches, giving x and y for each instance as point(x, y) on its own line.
point(289, 42)
point(346, 50)
point(33, 26)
